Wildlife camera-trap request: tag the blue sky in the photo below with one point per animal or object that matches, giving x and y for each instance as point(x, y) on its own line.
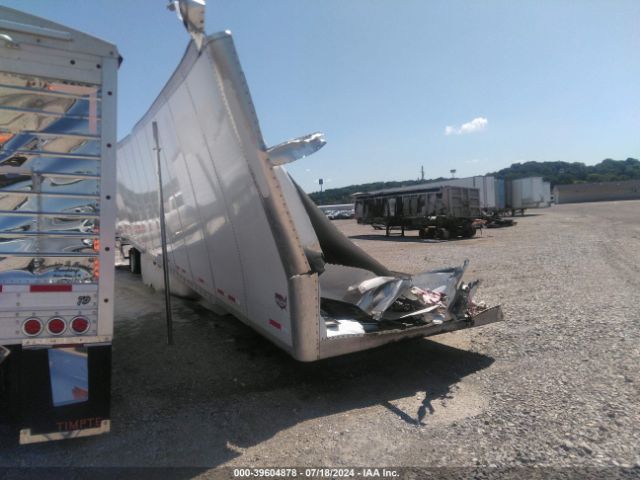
point(383, 79)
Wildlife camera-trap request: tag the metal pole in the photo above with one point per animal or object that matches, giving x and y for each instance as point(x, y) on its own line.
point(163, 241)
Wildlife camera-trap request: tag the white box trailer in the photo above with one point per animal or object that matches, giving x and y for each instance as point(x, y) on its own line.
point(530, 192)
point(546, 193)
point(242, 235)
point(57, 220)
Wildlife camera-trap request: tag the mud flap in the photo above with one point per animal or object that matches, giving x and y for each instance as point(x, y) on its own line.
point(60, 392)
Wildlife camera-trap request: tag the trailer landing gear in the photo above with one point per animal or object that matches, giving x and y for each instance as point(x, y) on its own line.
point(388, 231)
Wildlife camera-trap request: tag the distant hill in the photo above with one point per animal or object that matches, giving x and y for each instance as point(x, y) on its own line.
point(563, 173)
point(558, 173)
point(333, 196)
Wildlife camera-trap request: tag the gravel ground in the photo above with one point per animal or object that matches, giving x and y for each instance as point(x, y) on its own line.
point(556, 384)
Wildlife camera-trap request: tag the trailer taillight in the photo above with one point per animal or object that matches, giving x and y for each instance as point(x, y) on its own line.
point(56, 325)
point(79, 325)
point(32, 326)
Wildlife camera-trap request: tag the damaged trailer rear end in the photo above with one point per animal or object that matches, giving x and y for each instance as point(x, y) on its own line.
point(241, 234)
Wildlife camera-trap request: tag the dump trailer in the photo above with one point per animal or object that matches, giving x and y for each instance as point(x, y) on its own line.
point(435, 211)
point(57, 220)
point(241, 234)
point(489, 200)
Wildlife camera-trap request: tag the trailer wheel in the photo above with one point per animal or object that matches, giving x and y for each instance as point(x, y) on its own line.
point(469, 231)
point(134, 261)
point(443, 234)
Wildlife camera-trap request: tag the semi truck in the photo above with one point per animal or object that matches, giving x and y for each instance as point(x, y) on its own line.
point(435, 211)
point(242, 235)
point(57, 221)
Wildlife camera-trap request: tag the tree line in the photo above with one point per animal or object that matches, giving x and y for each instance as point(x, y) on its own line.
point(557, 173)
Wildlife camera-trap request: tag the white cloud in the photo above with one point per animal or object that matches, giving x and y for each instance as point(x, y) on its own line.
point(476, 125)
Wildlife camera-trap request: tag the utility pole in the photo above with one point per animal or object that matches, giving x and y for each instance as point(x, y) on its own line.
point(422, 173)
point(321, 182)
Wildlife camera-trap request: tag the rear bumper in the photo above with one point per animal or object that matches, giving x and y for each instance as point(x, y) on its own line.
point(27, 437)
point(335, 346)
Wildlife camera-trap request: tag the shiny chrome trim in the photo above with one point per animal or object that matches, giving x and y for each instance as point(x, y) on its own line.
point(46, 113)
point(79, 136)
point(53, 195)
point(51, 93)
point(45, 153)
point(26, 437)
point(48, 234)
point(30, 213)
point(5, 170)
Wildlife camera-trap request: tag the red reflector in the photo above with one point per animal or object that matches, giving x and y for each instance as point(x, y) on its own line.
point(220, 291)
point(79, 324)
point(232, 298)
point(50, 288)
point(32, 327)
point(56, 326)
point(273, 323)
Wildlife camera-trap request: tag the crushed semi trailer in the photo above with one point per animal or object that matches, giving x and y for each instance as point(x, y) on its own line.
point(241, 234)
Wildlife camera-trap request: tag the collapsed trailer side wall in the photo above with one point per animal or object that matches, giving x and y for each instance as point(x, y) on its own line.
point(240, 233)
point(230, 235)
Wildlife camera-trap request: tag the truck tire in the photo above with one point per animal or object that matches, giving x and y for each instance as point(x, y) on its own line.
point(443, 234)
point(469, 231)
point(134, 261)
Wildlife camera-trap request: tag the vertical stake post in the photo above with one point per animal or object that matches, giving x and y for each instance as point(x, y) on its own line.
point(163, 241)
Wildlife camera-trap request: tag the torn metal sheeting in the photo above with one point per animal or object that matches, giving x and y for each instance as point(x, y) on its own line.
point(191, 13)
point(374, 296)
point(431, 297)
point(296, 149)
point(445, 281)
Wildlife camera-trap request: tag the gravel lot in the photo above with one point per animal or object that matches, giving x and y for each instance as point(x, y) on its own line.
point(556, 384)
